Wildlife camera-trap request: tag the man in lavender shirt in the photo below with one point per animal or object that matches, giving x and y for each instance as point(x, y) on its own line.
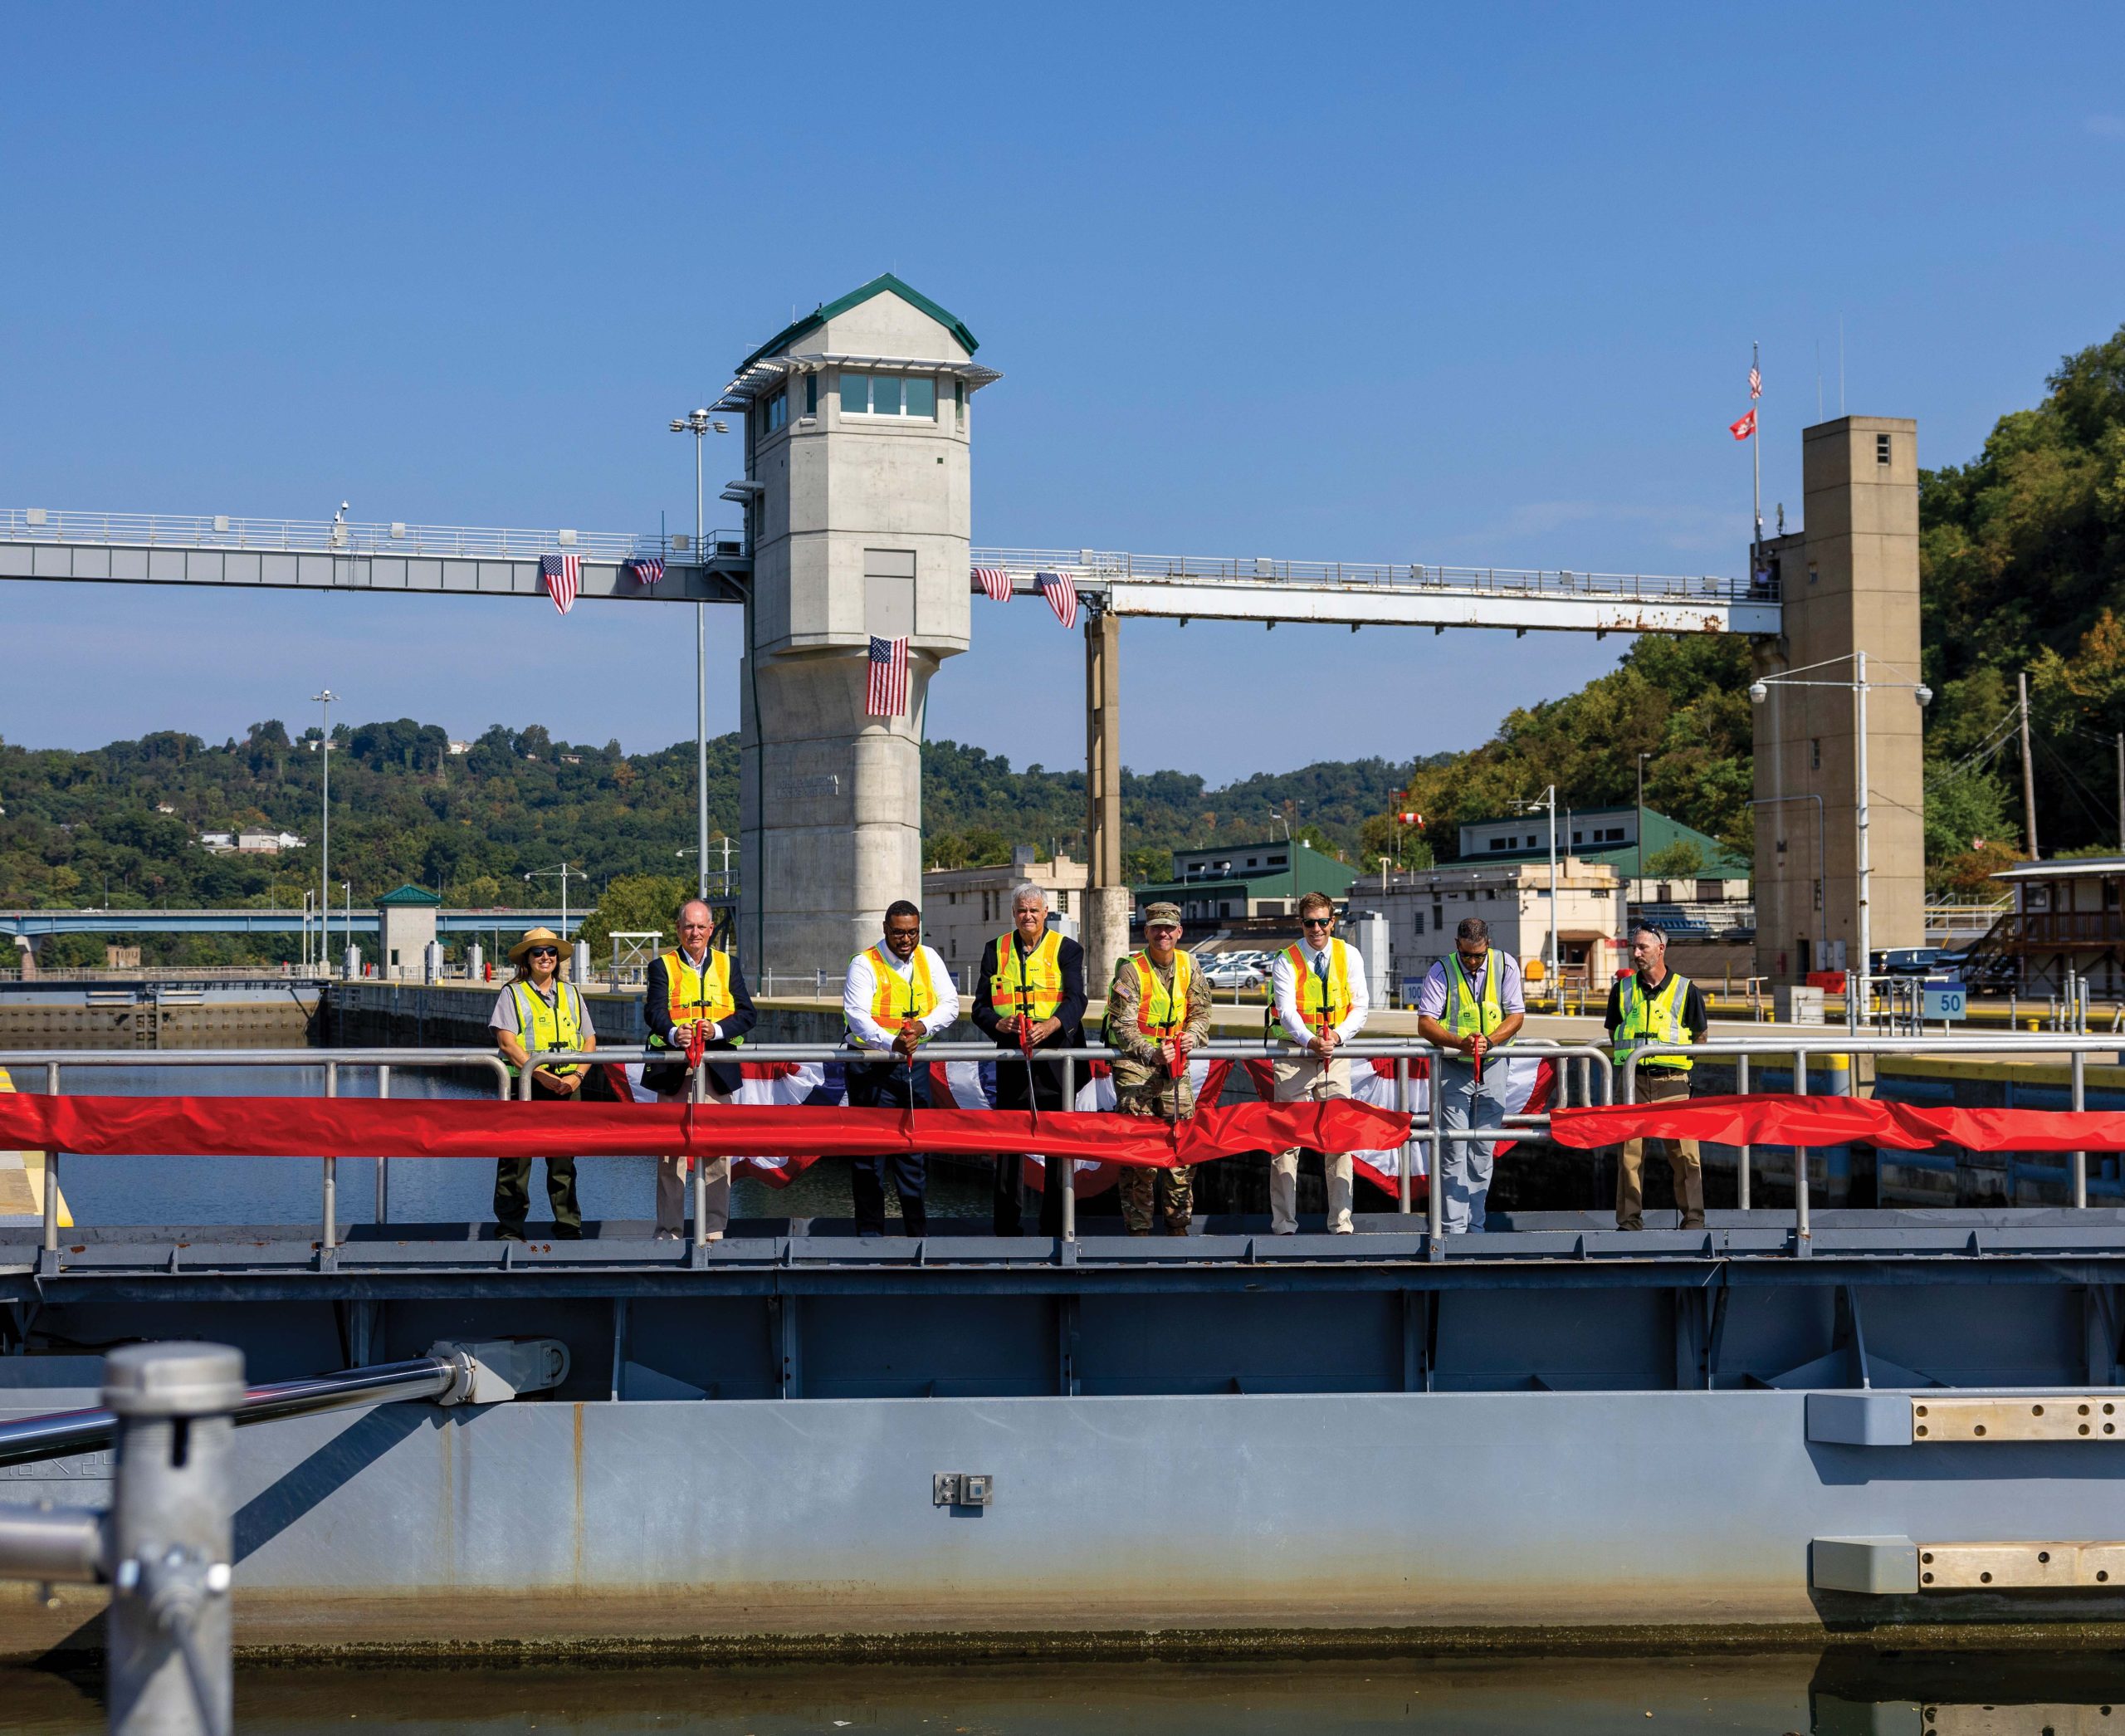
point(1470, 1002)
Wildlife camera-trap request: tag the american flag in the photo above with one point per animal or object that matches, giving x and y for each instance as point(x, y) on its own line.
point(563, 577)
point(1756, 383)
point(1060, 591)
point(994, 580)
point(648, 569)
point(884, 695)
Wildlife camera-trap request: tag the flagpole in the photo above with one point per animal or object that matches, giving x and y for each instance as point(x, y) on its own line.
point(1756, 454)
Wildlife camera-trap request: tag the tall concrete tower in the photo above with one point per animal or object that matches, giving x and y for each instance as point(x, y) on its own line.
point(1849, 582)
point(857, 421)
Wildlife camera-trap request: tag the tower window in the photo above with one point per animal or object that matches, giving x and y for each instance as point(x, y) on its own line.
point(1816, 753)
point(889, 394)
point(774, 411)
point(1881, 448)
point(811, 394)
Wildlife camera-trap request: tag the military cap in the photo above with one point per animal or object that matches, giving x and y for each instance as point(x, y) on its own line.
point(1155, 914)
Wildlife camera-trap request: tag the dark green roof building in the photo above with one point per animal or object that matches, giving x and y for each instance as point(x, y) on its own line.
point(1606, 835)
point(1231, 880)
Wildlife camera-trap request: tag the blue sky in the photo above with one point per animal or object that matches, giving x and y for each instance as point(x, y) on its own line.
point(1402, 283)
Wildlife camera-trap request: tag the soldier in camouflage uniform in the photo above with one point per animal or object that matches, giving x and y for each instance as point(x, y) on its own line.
point(1151, 1043)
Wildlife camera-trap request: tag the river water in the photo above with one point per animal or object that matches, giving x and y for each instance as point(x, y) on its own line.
point(1940, 1694)
point(266, 1191)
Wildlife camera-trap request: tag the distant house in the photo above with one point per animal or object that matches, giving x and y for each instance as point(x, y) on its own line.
point(218, 842)
point(963, 909)
point(266, 843)
point(1233, 882)
point(460, 747)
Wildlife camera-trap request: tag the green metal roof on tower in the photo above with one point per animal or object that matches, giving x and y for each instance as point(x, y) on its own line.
point(408, 894)
point(825, 311)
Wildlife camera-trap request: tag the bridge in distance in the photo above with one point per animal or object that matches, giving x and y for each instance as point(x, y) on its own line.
point(37, 924)
point(450, 560)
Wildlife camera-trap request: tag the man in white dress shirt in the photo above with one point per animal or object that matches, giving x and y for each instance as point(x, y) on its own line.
point(1318, 988)
point(897, 995)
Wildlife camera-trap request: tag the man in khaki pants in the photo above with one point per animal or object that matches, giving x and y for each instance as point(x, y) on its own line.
point(1653, 1004)
point(1318, 989)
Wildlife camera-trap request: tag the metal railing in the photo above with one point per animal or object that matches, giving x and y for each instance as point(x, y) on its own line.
point(55, 1061)
point(1844, 1045)
point(1593, 1076)
point(1093, 568)
point(325, 537)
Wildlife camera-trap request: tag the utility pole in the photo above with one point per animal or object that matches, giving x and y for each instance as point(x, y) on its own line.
point(325, 844)
point(2121, 801)
point(2029, 770)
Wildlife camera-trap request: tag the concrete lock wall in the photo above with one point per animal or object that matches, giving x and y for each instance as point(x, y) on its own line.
point(863, 528)
point(1850, 581)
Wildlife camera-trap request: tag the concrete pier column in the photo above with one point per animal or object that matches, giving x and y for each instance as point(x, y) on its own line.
point(857, 421)
point(1106, 901)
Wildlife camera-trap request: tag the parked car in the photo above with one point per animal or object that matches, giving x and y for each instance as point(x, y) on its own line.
point(1233, 973)
point(1914, 962)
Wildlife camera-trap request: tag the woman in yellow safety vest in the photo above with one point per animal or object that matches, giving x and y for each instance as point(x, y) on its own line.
point(539, 1012)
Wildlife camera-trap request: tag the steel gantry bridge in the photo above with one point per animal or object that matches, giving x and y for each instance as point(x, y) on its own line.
point(452, 560)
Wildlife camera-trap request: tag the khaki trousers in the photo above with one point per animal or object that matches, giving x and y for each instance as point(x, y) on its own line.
point(1308, 1078)
point(674, 1212)
point(1660, 1085)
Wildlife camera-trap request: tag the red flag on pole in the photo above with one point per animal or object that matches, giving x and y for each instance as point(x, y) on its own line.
point(1746, 427)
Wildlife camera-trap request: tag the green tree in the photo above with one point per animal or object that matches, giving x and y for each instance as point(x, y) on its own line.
point(635, 904)
point(1681, 860)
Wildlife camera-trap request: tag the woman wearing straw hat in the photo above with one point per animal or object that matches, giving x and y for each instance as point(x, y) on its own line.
point(539, 1012)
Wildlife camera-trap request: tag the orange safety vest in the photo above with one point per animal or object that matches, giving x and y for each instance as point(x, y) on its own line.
point(693, 996)
point(1034, 989)
point(1161, 1014)
point(917, 996)
point(1321, 1003)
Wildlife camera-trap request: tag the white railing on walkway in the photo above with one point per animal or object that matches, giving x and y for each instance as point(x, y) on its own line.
point(326, 536)
point(1095, 568)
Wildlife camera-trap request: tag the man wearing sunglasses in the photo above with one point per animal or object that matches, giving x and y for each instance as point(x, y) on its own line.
point(1318, 989)
point(1470, 1001)
point(539, 1013)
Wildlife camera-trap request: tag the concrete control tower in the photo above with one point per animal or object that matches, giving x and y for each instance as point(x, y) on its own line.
point(857, 420)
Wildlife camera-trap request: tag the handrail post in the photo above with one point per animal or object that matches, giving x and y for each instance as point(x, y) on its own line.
point(1742, 1177)
point(696, 1089)
point(2080, 1159)
point(1406, 1201)
point(1064, 1175)
point(331, 1169)
point(169, 1539)
point(1435, 1133)
point(383, 1163)
point(1801, 1231)
point(52, 1170)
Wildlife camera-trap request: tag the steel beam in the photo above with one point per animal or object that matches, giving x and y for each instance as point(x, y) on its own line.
point(721, 580)
point(1441, 606)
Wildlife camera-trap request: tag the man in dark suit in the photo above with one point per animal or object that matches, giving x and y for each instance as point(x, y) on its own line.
point(1029, 994)
point(695, 985)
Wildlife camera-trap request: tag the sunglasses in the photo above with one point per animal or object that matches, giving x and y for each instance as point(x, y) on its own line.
point(1317, 922)
point(542, 952)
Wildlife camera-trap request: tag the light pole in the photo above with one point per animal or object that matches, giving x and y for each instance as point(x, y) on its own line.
point(1548, 798)
point(1638, 873)
point(324, 701)
point(564, 873)
point(699, 424)
point(1858, 687)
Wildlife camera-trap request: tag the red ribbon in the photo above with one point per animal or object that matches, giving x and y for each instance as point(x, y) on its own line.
point(293, 1127)
point(1821, 1121)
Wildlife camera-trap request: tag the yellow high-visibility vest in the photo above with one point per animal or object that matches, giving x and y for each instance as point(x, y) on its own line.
point(1030, 984)
point(1658, 1016)
point(1472, 1009)
point(1323, 1004)
point(548, 1029)
point(696, 997)
point(1161, 1012)
point(894, 1002)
